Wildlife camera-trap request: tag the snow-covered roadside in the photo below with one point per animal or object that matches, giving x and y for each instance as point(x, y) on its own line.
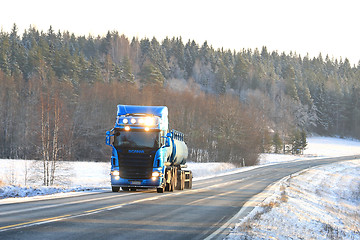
point(318, 147)
point(22, 178)
point(320, 203)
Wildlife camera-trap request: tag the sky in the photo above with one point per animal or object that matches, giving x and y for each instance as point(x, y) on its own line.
point(301, 26)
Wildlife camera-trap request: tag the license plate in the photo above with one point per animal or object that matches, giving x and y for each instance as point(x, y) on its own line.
point(135, 182)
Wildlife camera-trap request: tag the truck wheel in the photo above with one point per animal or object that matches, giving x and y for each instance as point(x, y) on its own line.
point(172, 185)
point(160, 190)
point(167, 177)
point(115, 189)
point(125, 189)
point(182, 180)
point(190, 180)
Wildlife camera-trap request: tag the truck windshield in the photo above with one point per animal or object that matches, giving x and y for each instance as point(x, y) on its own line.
point(136, 139)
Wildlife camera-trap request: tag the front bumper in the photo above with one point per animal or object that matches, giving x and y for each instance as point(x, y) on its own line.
point(137, 183)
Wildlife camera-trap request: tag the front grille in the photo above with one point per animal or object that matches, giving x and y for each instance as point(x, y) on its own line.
point(135, 165)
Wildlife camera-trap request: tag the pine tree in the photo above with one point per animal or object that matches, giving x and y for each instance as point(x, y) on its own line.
point(149, 74)
point(277, 143)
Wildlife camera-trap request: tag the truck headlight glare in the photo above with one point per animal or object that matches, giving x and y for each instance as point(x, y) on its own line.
point(149, 121)
point(127, 128)
point(125, 121)
point(133, 120)
point(115, 173)
point(155, 174)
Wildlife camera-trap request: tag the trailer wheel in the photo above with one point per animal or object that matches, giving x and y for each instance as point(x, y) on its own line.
point(190, 180)
point(115, 189)
point(180, 180)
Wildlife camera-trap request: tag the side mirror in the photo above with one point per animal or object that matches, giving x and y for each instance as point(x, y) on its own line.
point(107, 139)
point(167, 142)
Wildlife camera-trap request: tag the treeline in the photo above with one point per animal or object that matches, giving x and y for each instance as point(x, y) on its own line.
point(59, 91)
point(53, 121)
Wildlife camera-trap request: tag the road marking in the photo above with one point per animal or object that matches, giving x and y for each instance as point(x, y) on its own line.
point(93, 211)
point(64, 204)
point(35, 221)
point(107, 208)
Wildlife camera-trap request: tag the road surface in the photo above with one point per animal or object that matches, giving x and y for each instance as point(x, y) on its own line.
point(207, 211)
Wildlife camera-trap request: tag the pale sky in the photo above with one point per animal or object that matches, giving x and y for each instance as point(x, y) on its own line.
point(302, 26)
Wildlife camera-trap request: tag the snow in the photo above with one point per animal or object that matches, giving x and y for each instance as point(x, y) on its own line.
point(319, 203)
point(22, 178)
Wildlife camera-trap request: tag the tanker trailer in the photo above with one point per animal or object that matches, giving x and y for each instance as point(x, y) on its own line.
point(145, 154)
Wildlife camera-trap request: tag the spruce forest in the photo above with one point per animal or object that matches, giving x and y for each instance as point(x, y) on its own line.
point(59, 91)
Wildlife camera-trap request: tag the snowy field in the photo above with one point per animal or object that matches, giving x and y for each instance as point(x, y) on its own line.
point(320, 203)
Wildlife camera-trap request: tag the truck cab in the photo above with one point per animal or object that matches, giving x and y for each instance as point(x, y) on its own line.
point(145, 154)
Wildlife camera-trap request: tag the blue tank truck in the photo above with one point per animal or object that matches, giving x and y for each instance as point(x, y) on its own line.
point(145, 154)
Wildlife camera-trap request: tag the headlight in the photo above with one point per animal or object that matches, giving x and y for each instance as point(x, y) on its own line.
point(125, 121)
point(149, 121)
point(133, 120)
point(155, 174)
point(115, 173)
point(127, 128)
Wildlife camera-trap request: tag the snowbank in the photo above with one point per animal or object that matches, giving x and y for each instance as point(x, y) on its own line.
point(318, 147)
point(320, 203)
point(22, 178)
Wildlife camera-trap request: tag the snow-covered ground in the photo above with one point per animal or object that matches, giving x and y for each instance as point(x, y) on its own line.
point(22, 178)
point(321, 203)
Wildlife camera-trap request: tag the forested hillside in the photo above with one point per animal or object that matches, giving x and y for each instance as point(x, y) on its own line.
point(59, 93)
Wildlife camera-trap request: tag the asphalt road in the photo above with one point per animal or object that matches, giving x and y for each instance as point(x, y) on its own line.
point(207, 211)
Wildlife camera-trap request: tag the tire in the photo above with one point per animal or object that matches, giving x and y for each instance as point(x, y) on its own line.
point(125, 189)
point(172, 184)
point(160, 190)
point(168, 185)
point(115, 189)
point(180, 180)
point(190, 180)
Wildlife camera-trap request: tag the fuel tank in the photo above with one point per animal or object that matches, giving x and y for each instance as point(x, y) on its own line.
point(179, 153)
point(178, 149)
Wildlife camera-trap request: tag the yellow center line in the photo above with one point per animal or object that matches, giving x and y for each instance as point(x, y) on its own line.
point(4, 228)
point(35, 221)
point(93, 211)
